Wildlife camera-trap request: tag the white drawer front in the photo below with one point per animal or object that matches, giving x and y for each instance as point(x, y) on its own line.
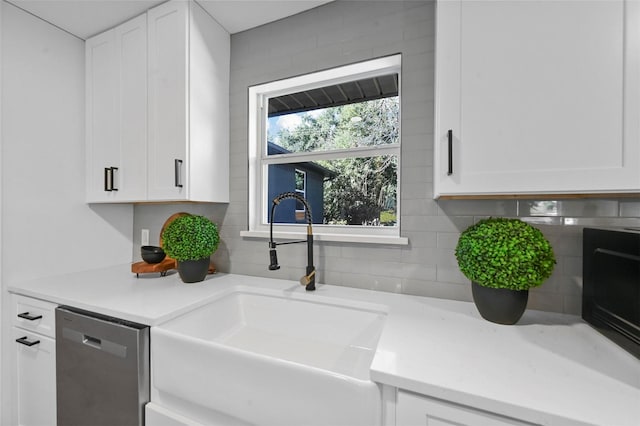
point(34, 314)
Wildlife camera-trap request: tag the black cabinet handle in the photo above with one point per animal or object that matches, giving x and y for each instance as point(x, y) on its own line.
point(450, 142)
point(25, 341)
point(26, 316)
point(113, 172)
point(107, 179)
point(178, 172)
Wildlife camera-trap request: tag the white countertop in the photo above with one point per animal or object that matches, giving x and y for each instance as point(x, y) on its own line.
point(549, 369)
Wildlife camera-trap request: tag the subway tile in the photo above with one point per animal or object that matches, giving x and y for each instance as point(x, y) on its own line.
point(419, 271)
point(416, 191)
point(329, 277)
point(420, 157)
point(392, 254)
point(418, 207)
point(418, 239)
point(329, 250)
point(602, 221)
point(629, 208)
point(448, 223)
point(451, 275)
point(417, 174)
point(573, 208)
point(542, 301)
point(415, 223)
point(572, 265)
point(372, 282)
point(572, 304)
point(478, 207)
point(448, 240)
point(437, 289)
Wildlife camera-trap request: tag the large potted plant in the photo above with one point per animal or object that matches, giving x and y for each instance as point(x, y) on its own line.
point(190, 240)
point(504, 258)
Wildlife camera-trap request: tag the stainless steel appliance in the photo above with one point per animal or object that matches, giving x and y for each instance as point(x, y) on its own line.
point(102, 369)
point(611, 284)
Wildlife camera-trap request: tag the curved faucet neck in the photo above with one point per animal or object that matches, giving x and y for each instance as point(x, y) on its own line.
point(309, 279)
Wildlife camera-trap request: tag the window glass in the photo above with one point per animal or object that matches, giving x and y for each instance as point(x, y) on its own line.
point(345, 191)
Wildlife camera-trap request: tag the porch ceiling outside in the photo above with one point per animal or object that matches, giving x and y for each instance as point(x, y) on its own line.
point(340, 94)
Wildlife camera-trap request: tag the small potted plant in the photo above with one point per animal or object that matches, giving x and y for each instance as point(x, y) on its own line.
point(190, 240)
point(503, 258)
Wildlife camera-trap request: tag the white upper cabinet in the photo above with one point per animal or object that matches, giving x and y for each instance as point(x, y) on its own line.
point(158, 112)
point(537, 97)
point(189, 56)
point(116, 84)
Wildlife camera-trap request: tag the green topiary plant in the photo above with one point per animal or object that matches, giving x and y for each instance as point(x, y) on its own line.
point(505, 253)
point(190, 237)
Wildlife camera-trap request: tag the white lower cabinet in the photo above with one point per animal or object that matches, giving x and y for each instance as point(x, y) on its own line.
point(414, 410)
point(34, 377)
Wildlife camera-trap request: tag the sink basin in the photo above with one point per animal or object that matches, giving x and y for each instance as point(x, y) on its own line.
point(271, 358)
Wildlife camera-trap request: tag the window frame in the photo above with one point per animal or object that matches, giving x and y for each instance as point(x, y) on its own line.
point(259, 160)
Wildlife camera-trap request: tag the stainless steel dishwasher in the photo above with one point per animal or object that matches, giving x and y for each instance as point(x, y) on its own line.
point(102, 369)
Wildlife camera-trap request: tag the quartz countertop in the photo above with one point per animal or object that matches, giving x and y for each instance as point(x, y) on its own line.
point(549, 369)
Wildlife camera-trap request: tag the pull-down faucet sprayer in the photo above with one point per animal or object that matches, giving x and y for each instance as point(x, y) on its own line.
point(309, 279)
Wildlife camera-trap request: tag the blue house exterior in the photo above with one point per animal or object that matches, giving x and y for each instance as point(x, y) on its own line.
point(306, 178)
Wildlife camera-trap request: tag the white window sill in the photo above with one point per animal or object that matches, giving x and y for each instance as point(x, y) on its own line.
point(343, 238)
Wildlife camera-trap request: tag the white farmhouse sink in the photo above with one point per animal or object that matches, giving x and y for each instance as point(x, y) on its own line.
point(273, 359)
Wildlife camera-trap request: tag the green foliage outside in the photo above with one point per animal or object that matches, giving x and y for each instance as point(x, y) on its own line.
point(363, 187)
point(505, 253)
point(190, 237)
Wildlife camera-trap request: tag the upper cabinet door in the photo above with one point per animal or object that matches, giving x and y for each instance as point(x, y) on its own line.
point(116, 64)
point(537, 97)
point(102, 113)
point(168, 101)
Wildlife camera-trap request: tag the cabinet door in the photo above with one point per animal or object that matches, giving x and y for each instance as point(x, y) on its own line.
point(102, 115)
point(168, 100)
point(415, 410)
point(117, 113)
point(131, 38)
point(35, 396)
point(540, 97)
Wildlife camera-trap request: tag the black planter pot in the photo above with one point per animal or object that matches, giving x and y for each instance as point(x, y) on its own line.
point(500, 305)
point(193, 271)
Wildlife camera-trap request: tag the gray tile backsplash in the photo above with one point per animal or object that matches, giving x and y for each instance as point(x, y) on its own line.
point(343, 32)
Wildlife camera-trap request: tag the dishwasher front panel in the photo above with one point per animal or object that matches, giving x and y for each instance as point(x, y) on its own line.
point(102, 369)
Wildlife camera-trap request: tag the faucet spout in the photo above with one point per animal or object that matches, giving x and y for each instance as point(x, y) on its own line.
point(309, 279)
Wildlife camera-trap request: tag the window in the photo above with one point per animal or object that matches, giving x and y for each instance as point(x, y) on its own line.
point(334, 138)
point(301, 189)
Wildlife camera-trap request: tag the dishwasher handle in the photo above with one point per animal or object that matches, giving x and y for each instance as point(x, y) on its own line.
point(104, 345)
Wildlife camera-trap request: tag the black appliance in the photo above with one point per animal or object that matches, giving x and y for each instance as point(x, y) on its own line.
point(611, 284)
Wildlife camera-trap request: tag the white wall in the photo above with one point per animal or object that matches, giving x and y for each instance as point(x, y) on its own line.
point(47, 228)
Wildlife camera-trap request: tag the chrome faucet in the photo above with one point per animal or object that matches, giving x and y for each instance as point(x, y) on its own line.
point(309, 279)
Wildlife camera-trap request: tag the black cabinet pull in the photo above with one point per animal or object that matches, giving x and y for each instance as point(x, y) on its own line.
point(178, 172)
point(25, 341)
point(450, 141)
point(113, 172)
point(28, 317)
point(107, 179)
